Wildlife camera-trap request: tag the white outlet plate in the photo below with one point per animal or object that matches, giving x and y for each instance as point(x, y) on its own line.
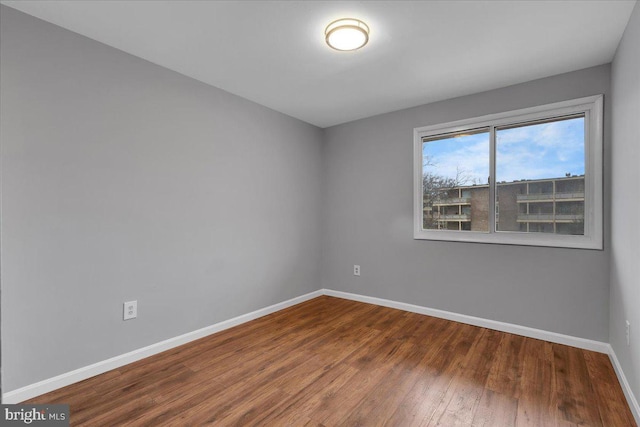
point(628, 332)
point(356, 270)
point(130, 310)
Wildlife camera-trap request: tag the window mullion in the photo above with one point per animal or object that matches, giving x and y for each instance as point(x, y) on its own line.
point(492, 181)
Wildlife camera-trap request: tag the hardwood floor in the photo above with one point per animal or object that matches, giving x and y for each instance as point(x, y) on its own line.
point(333, 362)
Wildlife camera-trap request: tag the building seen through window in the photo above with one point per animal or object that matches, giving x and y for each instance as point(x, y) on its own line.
point(554, 205)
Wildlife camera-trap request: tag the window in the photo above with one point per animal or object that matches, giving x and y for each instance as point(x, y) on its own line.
point(526, 177)
point(454, 174)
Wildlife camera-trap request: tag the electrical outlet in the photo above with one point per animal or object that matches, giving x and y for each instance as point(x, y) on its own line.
point(628, 332)
point(130, 310)
point(356, 270)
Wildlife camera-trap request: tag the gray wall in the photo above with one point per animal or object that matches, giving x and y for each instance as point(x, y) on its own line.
point(625, 183)
point(367, 216)
point(123, 180)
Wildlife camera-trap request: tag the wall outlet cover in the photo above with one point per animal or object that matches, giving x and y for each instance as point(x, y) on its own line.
point(130, 310)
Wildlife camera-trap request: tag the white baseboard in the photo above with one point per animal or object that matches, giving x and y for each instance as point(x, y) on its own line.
point(45, 386)
point(626, 388)
point(526, 331)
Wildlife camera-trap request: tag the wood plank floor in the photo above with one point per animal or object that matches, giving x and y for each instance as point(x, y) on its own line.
point(333, 362)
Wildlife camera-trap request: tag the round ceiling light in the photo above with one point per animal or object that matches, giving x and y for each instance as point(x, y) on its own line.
point(347, 34)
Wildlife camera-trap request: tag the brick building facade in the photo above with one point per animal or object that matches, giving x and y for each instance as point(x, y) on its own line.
point(554, 205)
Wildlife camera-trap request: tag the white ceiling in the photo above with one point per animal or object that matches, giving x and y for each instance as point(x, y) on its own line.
point(273, 52)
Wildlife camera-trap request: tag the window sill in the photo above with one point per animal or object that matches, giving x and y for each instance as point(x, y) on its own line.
point(512, 238)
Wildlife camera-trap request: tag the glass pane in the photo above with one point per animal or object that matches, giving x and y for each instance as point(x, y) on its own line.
point(455, 169)
point(540, 177)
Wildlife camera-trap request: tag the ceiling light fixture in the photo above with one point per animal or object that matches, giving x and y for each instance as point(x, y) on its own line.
point(347, 34)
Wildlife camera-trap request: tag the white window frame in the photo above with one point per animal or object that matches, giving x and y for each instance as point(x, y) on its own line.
point(592, 107)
